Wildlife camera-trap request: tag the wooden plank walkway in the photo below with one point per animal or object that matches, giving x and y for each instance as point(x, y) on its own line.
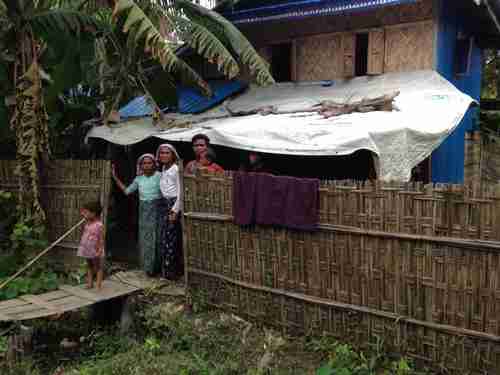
point(68, 298)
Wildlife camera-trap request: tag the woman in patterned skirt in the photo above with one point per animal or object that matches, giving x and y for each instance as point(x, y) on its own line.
point(170, 248)
point(147, 183)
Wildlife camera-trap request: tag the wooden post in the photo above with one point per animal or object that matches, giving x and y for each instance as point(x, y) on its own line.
point(188, 302)
point(20, 344)
point(127, 315)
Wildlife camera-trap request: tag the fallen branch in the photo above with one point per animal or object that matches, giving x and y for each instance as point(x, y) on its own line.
point(329, 108)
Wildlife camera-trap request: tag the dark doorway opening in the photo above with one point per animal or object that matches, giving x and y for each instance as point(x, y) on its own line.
point(281, 62)
point(361, 56)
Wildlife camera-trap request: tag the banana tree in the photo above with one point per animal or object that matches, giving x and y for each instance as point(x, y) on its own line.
point(150, 29)
point(26, 27)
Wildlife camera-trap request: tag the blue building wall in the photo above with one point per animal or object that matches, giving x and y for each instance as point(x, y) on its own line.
point(448, 160)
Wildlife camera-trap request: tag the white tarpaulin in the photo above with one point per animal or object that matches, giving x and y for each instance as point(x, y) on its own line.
point(429, 109)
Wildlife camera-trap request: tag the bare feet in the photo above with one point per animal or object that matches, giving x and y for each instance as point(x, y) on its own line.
point(99, 279)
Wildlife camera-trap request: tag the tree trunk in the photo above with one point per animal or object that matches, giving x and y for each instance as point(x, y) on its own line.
point(30, 123)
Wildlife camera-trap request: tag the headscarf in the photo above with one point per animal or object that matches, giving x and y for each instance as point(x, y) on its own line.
point(140, 171)
point(171, 148)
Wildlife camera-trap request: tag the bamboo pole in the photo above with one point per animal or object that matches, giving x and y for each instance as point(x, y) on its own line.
point(463, 243)
point(33, 261)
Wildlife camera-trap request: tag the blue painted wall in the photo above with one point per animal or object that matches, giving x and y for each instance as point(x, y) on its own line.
point(448, 159)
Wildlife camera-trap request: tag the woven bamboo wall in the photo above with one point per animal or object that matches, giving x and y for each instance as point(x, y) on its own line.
point(434, 298)
point(405, 47)
point(409, 47)
point(70, 183)
point(434, 210)
point(482, 159)
point(490, 161)
point(319, 57)
point(420, 10)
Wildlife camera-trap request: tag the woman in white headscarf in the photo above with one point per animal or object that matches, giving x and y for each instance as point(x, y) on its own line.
point(147, 184)
point(170, 245)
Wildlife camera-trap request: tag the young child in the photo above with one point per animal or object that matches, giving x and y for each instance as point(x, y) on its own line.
point(92, 245)
point(208, 163)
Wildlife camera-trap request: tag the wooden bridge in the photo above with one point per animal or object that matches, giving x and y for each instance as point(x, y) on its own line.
point(69, 298)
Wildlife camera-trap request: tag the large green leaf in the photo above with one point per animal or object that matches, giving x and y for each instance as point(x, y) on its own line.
point(141, 30)
point(63, 21)
point(231, 36)
point(65, 74)
point(205, 43)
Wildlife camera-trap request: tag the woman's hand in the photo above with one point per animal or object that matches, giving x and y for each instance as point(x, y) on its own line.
point(113, 171)
point(172, 216)
point(118, 182)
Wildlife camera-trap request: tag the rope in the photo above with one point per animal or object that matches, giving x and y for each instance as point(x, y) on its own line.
point(33, 261)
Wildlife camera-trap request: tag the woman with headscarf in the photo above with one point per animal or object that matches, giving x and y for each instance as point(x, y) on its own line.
point(170, 248)
point(147, 183)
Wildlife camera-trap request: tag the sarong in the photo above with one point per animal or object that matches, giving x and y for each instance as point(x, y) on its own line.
point(170, 247)
point(148, 235)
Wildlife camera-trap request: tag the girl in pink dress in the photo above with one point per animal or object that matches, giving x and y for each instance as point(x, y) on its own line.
point(92, 243)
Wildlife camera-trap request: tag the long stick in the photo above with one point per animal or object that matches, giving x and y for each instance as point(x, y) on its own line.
point(41, 254)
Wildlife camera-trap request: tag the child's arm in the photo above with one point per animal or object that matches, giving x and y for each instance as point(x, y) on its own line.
point(100, 242)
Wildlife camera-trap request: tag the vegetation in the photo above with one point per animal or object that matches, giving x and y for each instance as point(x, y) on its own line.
point(345, 360)
point(20, 241)
point(166, 340)
point(491, 71)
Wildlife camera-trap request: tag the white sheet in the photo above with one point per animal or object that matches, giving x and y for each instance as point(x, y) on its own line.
point(429, 106)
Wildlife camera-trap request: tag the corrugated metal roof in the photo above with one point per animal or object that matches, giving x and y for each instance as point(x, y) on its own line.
point(191, 101)
point(302, 8)
point(138, 107)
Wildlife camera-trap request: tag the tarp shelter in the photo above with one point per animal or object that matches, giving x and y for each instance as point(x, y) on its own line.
point(429, 108)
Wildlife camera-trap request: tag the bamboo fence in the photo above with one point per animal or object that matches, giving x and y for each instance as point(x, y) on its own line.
point(70, 184)
point(482, 159)
point(433, 210)
point(416, 265)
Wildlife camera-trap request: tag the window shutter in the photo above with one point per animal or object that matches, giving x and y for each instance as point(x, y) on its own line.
point(348, 49)
point(376, 51)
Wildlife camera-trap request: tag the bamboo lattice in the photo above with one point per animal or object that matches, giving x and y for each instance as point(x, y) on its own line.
point(70, 184)
point(413, 208)
point(405, 262)
point(482, 159)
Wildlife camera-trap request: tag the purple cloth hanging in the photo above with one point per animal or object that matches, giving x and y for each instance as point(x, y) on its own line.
point(271, 199)
point(244, 188)
point(275, 200)
point(302, 204)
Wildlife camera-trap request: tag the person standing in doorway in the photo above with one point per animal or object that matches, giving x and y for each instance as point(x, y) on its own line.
point(201, 145)
point(208, 161)
point(170, 247)
point(147, 183)
point(254, 163)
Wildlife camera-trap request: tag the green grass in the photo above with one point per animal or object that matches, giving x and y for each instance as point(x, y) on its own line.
point(166, 340)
